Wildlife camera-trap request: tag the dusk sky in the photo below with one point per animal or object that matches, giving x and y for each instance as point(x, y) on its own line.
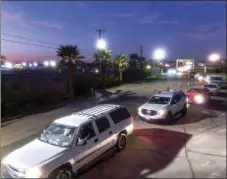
point(184, 29)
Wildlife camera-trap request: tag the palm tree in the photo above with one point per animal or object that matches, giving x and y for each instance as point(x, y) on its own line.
point(133, 60)
point(121, 63)
point(102, 59)
point(70, 57)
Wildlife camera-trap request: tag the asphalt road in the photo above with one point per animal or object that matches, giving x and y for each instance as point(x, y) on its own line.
point(192, 147)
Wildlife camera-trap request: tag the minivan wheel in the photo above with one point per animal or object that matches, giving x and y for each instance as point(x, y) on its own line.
point(121, 142)
point(184, 110)
point(62, 173)
point(168, 118)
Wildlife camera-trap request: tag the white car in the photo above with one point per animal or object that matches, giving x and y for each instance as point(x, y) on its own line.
point(163, 106)
point(71, 143)
point(222, 89)
point(213, 88)
point(214, 79)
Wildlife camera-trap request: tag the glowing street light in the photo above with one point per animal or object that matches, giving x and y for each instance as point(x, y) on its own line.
point(148, 67)
point(52, 63)
point(214, 57)
point(46, 63)
point(96, 71)
point(9, 65)
point(24, 64)
point(101, 44)
point(159, 54)
point(35, 64)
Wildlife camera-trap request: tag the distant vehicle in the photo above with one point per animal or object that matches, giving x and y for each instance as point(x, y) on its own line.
point(200, 77)
point(212, 87)
point(192, 74)
point(214, 79)
point(71, 143)
point(222, 89)
point(163, 106)
point(197, 95)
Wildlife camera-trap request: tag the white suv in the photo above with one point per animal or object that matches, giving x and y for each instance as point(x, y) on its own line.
point(163, 106)
point(71, 143)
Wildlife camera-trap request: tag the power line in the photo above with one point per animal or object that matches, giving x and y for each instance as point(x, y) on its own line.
point(37, 45)
point(24, 43)
point(27, 38)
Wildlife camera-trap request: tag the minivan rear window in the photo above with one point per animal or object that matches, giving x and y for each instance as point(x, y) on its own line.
point(102, 124)
point(119, 115)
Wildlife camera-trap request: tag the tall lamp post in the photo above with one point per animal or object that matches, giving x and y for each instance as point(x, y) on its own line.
point(159, 54)
point(214, 58)
point(101, 45)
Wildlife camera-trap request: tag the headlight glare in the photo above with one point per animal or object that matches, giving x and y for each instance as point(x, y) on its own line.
point(6, 161)
point(162, 112)
point(33, 173)
point(199, 99)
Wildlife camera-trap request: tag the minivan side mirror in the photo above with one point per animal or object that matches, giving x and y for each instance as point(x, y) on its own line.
point(81, 142)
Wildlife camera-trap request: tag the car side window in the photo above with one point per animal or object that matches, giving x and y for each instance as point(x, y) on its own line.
point(120, 115)
point(102, 124)
point(178, 98)
point(86, 131)
point(174, 100)
point(183, 94)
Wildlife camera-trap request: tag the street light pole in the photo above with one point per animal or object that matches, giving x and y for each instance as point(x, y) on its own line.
point(100, 32)
point(214, 58)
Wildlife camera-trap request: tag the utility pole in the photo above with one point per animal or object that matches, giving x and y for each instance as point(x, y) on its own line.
point(141, 51)
point(100, 32)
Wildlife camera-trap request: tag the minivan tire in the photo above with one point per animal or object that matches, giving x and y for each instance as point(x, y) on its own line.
point(169, 118)
point(184, 110)
point(61, 173)
point(121, 142)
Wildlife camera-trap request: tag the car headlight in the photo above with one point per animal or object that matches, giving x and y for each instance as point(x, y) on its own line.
point(162, 112)
point(199, 99)
point(33, 173)
point(200, 78)
point(6, 160)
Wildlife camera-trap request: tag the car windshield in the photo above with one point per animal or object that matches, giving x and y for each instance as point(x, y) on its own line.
point(210, 86)
point(196, 90)
point(59, 135)
point(159, 100)
point(216, 78)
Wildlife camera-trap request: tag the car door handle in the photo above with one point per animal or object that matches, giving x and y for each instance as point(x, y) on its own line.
point(110, 132)
point(96, 140)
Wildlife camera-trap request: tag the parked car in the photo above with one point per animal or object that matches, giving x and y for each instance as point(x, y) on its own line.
point(197, 95)
point(214, 79)
point(200, 77)
point(213, 88)
point(71, 143)
point(192, 74)
point(163, 106)
point(222, 88)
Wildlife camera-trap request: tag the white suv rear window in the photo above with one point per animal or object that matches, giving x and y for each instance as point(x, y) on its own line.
point(119, 115)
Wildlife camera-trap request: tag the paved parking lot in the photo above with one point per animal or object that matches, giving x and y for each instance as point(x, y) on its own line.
point(193, 147)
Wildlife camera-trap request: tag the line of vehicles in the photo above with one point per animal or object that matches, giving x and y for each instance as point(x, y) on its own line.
point(73, 142)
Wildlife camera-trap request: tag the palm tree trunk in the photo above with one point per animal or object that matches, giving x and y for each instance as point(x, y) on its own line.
point(71, 82)
point(121, 75)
